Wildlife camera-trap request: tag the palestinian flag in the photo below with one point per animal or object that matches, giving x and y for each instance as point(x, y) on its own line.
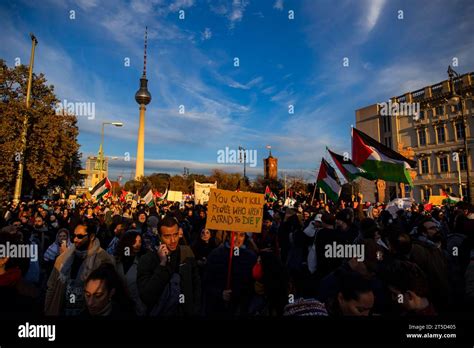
point(269, 195)
point(328, 181)
point(101, 189)
point(165, 195)
point(450, 199)
point(379, 160)
point(147, 195)
point(123, 196)
point(348, 168)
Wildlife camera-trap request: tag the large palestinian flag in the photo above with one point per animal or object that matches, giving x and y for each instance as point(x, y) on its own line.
point(450, 199)
point(101, 189)
point(348, 168)
point(146, 194)
point(328, 181)
point(269, 195)
point(379, 160)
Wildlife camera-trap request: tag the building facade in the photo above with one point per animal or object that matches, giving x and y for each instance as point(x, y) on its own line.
point(270, 167)
point(93, 172)
point(425, 127)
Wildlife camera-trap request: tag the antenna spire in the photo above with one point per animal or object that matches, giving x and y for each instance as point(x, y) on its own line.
point(144, 53)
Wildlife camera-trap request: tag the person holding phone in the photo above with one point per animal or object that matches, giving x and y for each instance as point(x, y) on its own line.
point(59, 246)
point(168, 278)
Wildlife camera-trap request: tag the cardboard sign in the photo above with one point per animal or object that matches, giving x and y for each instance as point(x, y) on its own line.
point(202, 191)
point(235, 211)
point(174, 196)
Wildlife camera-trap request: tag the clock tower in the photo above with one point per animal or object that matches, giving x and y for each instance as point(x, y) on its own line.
point(270, 166)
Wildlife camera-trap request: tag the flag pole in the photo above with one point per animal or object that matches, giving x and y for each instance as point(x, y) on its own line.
point(314, 192)
point(229, 268)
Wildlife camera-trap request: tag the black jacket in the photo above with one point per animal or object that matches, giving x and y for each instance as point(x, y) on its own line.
point(153, 278)
point(215, 281)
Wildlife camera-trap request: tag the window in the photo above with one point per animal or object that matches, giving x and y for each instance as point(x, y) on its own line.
point(464, 190)
point(439, 110)
point(407, 191)
point(430, 113)
point(422, 137)
point(386, 123)
point(455, 109)
point(443, 164)
point(422, 115)
point(427, 193)
point(388, 141)
point(441, 134)
point(463, 161)
point(459, 130)
point(424, 166)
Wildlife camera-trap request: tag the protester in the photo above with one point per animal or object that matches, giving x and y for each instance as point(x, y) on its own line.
point(17, 296)
point(59, 246)
point(229, 294)
point(410, 288)
point(104, 294)
point(127, 256)
point(64, 295)
point(168, 278)
point(119, 231)
point(355, 297)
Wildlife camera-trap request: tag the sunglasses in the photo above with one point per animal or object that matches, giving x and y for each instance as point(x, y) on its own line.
point(79, 236)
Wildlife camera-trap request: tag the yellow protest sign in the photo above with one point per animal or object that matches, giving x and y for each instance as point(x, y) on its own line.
point(174, 196)
point(235, 211)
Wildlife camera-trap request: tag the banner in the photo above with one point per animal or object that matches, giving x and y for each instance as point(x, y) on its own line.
point(235, 211)
point(201, 192)
point(175, 196)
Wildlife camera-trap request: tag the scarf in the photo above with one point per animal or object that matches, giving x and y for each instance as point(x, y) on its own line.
point(86, 268)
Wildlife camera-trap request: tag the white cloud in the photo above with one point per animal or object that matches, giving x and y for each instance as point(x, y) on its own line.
point(371, 14)
point(237, 12)
point(206, 35)
point(87, 4)
point(278, 5)
point(181, 4)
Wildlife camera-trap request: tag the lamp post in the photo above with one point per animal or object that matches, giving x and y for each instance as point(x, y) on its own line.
point(457, 99)
point(241, 149)
point(101, 159)
point(19, 176)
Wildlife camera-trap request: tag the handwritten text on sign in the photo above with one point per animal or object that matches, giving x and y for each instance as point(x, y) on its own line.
point(235, 211)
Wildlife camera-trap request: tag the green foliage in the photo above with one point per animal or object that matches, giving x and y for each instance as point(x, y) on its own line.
point(52, 151)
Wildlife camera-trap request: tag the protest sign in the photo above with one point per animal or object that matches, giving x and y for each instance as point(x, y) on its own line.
point(202, 191)
point(235, 211)
point(175, 196)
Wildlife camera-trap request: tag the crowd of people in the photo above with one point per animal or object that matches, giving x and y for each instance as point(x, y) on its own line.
point(117, 259)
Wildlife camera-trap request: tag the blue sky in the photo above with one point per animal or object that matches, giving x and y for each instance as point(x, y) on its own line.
point(283, 62)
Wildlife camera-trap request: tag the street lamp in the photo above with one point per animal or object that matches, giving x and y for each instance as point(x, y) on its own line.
point(241, 149)
point(457, 99)
point(19, 177)
point(101, 159)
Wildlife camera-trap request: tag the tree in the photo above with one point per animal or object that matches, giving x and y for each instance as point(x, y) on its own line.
point(51, 157)
point(227, 181)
